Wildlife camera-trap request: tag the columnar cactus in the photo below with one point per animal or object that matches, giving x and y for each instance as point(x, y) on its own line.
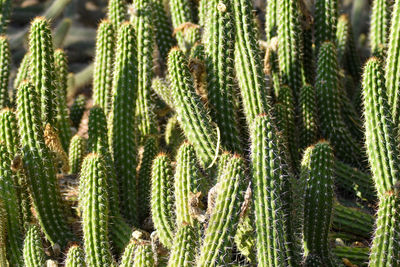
point(266, 187)
point(40, 169)
point(142, 20)
point(308, 110)
point(75, 257)
point(328, 99)
point(392, 71)
point(173, 134)
point(271, 19)
point(77, 109)
point(162, 89)
point(103, 66)
point(116, 12)
point(143, 255)
point(181, 13)
point(247, 57)
point(121, 121)
point(342, 38)
point(183, 251)
point(326, 16)
point(33, 248)
point(219, 46)
point(42, 70)
point(8, 196)
point(5, 10)
point(379, 28)
point(383, 156)
point(289, 45)
point(5, 63)
point(22, 73)
point(162, 199)
point(317, 176)
point(129, 254)
point(194, 120)
point(94, 202)
point(214, 250)
point(3, 234)
point(77, 152)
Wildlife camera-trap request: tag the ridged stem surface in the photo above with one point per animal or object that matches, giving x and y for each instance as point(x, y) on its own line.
point(5, 64)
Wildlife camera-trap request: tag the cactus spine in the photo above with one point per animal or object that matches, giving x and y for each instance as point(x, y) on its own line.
point(77, 151)
point(379, 29)
point(192, 114)
point(33, 248)
point(5, 62)
point(392, 62)
point(219, 49)
point(116, 12)
point(317, 176)
point(42, 71)
point(383, 156)
point(93, 200)
point(63, 121)
point(225, 215)
point(247, 56)
point(121, 121)
point(162, 199)
point(267, 176)
point(103, 66)
point(75, 257)
point(39, 167)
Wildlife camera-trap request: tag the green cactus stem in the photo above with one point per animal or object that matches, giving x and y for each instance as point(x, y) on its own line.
point(63, 123)
point(5, 63)
point(162, 89)
point(173, 134)
point(116, 12)
point(383, 157)
point(271, 19)
point(122, 122)
point(183, 251)
point(3, 235)
point(308, 110)
point(182, 17)
point(129, 254)
point(33, 248)
point(331, 120)
point(8, 195)
point(77, 152)
point(218, 37)
point(342, 38)
point(5, 11)
point(353, 255)
point(75, 257)
point(379, 28)
point(143, 255)
point(94, 203)
point(225, 215)
point(103, 66)
point(40, 169)
point(77, 109)
point(392, 70)
point(193, 117)
point(326, 16)
point(247, 58)
point(162, 199)
point(317, 176)
point(42, 68)
point(266, 186)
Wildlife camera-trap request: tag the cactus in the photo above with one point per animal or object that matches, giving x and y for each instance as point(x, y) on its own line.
point(289, 35)
point(271, 19)
point(247, 55)
point(317, 175)
point(383, 155)
point(353, 255)
point(225, 215)
point(181, 13)
point(328, 99)
point(22, 74)
point(116, 12)
point(121, 121)
point(5, 11)
point(141, 19)
point(308, 109)
point(379, 28)
point(162, 89)
point(33, 248)
point(75, 257)
point(342, 38)
point(42, 69)
point(63, 123)
point(183, 252)
point(162, 199)
point(187, 182)
point(129, 253)
point(94, 202)
point(326, 16)
point(267, 179)
point(77, 109)
point(53, 143)
point(143, 255)
point(3, 234)
point(218, 38)
point(77, 151)
point(392, 75)
point(103, 66)
point(8, 195)
point(194, 120)
point(5, 62)
point(39, 168)
point(173, 134)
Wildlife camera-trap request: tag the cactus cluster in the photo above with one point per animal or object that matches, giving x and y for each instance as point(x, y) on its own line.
point(212, 136)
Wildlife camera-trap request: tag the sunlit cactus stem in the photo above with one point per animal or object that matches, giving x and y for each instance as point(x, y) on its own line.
point(5, 64)
point(75, 257)
point(33, 248)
